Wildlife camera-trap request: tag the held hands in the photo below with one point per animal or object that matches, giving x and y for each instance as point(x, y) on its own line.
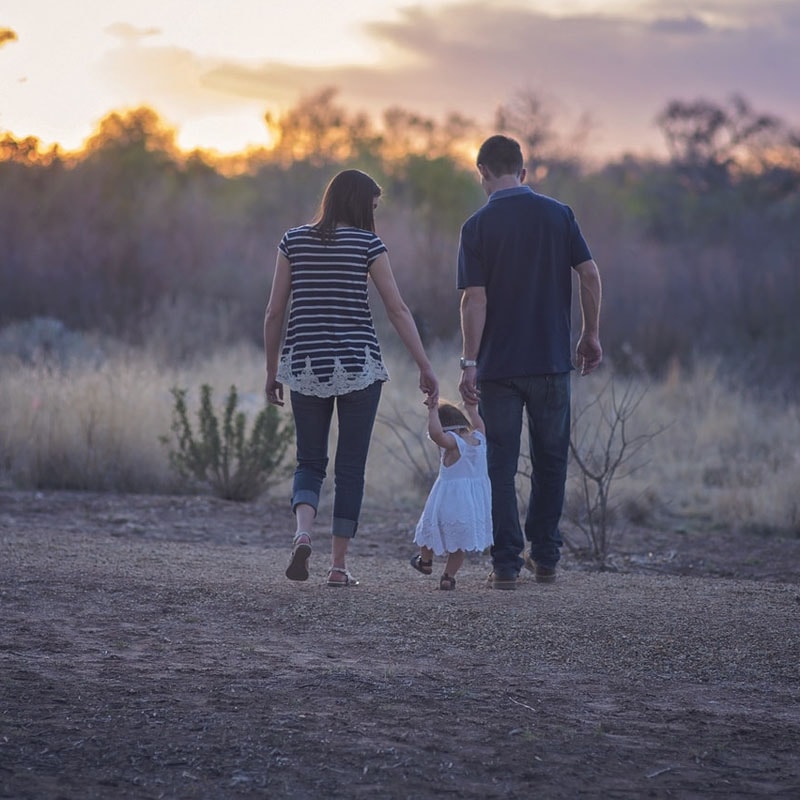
point(468, 386)
point(429, 386)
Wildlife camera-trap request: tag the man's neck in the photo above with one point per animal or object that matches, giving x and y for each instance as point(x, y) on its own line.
point(503, 182)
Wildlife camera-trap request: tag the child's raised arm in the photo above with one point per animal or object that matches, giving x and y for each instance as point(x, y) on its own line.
point(474, 417)
point(435, 427)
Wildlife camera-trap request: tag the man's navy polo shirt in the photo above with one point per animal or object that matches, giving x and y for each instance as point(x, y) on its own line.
point(521, 246)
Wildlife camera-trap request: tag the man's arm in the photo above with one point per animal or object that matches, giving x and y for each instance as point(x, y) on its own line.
point(589, 352)
point(473, 320)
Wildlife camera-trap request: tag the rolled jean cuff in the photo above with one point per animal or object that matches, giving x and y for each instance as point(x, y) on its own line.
point(346, 528)
point(306, 497)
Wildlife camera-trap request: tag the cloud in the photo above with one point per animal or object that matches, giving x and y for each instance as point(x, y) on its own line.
point(681, 25)
point(470, 57)
point(172, 79)
point(130, 34)
point(6, 36)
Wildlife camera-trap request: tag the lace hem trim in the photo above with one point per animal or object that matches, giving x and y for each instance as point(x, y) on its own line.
point(340, 382)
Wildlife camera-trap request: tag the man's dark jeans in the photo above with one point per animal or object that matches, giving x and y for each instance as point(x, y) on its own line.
point(546, 401)
point(312, 420)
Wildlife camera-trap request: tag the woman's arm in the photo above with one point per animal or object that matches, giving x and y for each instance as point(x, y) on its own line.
point(274, 317)
point(400, 317)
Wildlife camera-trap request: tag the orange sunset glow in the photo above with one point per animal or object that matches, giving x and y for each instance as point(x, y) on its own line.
point(213, 73)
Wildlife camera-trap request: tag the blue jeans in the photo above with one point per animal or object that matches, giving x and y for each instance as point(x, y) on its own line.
point(355, 413)
point(546, 400)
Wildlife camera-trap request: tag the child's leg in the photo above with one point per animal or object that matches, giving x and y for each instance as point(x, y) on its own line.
point(454, 562)
point(451, 566)
point(423, 561)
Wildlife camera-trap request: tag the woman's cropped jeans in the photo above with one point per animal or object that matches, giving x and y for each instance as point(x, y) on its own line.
point(355, 414)
point(546, 400)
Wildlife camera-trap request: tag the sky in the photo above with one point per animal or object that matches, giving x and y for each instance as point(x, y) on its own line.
point(212, 69)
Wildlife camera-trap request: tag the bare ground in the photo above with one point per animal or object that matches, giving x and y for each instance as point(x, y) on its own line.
point(151, 647)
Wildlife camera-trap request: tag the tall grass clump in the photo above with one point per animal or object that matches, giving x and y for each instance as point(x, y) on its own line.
point(88, 426)
point(731, 460)
point(85, 427)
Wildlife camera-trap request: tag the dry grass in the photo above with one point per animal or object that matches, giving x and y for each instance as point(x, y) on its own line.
point(723, 460)
point(98, 427)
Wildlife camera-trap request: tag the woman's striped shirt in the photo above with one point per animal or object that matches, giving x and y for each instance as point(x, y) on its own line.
point(330, 347)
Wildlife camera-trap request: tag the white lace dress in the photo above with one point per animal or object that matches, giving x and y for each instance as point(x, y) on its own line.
point(458, 511)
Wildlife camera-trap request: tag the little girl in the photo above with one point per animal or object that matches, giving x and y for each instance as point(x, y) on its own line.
point(458, 512)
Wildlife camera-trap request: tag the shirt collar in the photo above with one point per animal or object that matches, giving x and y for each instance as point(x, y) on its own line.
point(501, 193)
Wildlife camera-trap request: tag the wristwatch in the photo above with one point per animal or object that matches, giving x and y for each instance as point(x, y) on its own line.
point(468, 362)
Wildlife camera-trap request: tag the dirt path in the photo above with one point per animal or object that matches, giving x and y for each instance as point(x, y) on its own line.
point(151, 647)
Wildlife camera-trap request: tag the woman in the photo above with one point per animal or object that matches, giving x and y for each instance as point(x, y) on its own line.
point(331, 357)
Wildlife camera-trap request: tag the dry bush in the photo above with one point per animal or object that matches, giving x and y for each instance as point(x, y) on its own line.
point(604, 449)
point(238, 460)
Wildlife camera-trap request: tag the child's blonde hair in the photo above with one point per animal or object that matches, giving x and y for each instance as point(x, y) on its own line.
point(451, 417)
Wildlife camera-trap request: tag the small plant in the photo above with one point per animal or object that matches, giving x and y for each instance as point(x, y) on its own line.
point(236, 466)
point(603, 450)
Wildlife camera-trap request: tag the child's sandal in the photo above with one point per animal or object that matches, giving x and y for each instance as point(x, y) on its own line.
point(447, 583)
point(425, 567)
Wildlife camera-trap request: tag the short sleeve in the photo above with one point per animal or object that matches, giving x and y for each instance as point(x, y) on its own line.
point(579, 250)
point(376, 247)
point(471, 268)
point(283, 246)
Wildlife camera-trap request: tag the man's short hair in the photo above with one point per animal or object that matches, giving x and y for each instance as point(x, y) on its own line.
point(501, 155)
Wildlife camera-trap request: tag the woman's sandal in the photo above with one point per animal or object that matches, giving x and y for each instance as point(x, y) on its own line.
point(425, 567)
point(349, 580)
point(447, 582)
point(298, 563)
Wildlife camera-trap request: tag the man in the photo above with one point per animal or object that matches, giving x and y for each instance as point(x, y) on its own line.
point(515, 263)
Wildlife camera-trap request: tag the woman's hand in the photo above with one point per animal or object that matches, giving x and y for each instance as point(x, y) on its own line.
point(274, 390)
point(429, 385)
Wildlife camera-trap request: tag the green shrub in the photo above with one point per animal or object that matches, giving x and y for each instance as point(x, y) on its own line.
point(236, 466)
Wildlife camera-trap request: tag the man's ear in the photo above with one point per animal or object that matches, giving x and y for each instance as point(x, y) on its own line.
point(484, 172)
point(522, 175)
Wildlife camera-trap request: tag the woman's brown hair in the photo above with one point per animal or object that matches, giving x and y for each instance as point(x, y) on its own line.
point(349, 199)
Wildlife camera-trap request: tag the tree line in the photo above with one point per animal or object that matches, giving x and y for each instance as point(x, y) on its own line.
point(699, 251)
